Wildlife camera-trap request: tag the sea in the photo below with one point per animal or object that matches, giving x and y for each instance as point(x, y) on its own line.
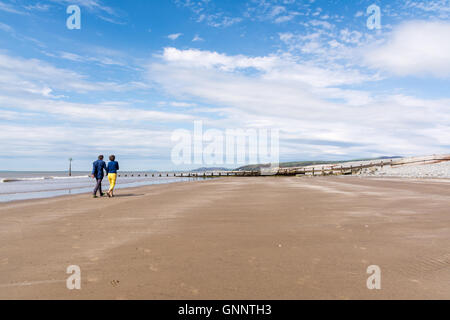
point(21, 185)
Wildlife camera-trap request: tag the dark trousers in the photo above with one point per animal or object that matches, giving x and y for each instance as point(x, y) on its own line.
point(98, 187)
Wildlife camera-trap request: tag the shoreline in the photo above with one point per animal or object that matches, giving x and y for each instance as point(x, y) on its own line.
point(253, 238)
point(87, 195)
point(197, 179)
point(64, 191)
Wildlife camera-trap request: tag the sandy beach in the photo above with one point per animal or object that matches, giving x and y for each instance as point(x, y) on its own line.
point(234, 238)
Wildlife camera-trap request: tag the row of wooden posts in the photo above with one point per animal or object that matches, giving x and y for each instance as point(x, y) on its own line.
point(344, 169)
point(331, 170)
point(196, 174)
point(281, 172)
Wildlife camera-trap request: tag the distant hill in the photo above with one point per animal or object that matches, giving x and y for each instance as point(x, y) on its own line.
point(306, 163)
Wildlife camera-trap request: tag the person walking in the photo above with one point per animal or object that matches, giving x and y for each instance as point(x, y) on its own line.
point(113, 167)
point(98, 168)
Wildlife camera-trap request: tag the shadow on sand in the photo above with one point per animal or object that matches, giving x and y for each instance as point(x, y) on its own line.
point(127, 195)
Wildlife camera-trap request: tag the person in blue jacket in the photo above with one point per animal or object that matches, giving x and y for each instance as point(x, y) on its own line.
point(98, 174)
point(113, 167)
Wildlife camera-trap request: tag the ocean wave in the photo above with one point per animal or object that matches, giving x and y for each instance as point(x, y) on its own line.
point(8, 180)
point(75, 177)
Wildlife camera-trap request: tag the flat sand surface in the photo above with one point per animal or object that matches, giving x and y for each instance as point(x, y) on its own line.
point(234, 238)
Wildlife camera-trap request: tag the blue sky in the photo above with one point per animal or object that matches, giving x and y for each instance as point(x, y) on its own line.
point(138, 70)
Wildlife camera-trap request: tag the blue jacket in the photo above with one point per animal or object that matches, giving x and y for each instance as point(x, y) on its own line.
point(113, 167)
point(98, 167)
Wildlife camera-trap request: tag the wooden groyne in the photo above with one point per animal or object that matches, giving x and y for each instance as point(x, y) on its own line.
point(357, 167)
point(212, 174)
point(348, 168)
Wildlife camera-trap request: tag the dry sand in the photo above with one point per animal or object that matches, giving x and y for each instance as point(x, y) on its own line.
point(234, 238)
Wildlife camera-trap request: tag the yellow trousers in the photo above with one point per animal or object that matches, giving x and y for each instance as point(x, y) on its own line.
point(112, 177)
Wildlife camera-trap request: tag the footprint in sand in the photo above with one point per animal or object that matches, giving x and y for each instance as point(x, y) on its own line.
point(153, 268)
point(195, 291)
point(144, 250)
point(115, 283)
point(302, 280)
point(252, 260)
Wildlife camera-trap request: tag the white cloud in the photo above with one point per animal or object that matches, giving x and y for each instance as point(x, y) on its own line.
point(286, 36)
point(174, 36)
point(207, 59)
point(276, 67)
point(282, 19)
point(325, 43)
point(276, 10)
point(6, 28)
point(414, 48)
point(32, 114)
point(112, 20)
point(306, 89)
point(39, 77)
point(211, 16)
point(224, 22)
point(305, 102)
point(348, 36)
point(37, 7)
point(93, 5)
point(440, 8)
point(107, 111)
point(182, 104)
point(197, 38)
point(319, 23)
point(54, 140)
point(104, 12)
point(10, 8)
point(101, 59)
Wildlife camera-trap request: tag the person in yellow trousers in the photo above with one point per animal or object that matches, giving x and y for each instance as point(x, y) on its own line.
point(113, 167)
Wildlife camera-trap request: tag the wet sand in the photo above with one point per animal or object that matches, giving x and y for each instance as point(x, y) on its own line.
point(234, 238)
